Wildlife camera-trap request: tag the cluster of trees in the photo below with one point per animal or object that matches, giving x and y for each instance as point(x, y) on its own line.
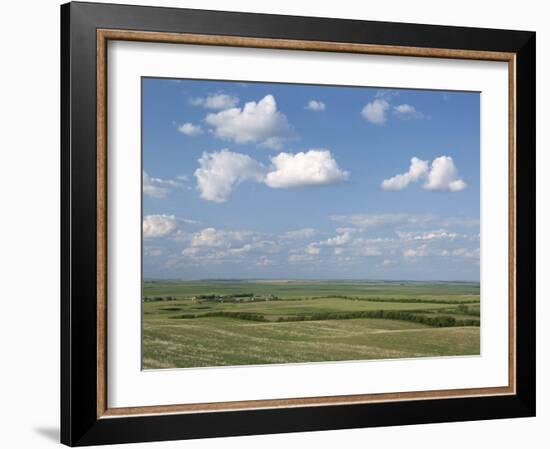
point(158, 298)
point(248, 297)
point(414, 300)
point(415, 317)
point(215, 296)
point(239, 315)
point(209, 296)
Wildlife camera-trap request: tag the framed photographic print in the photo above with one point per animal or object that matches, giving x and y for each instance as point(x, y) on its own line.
point(277, 224)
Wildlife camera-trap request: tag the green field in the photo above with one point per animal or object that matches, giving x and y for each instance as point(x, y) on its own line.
point(216, 323)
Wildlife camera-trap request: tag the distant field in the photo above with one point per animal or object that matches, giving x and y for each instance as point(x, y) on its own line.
point(216, 323)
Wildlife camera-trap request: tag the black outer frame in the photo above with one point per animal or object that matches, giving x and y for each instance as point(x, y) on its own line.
point(79, 423)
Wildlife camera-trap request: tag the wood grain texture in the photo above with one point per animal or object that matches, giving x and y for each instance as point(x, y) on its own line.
point(512, 193)
point(289, 44)
point(101, 225)
point(317, 401)
point(103, 36)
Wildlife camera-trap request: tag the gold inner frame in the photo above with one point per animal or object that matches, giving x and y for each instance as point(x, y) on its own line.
point(104, 35)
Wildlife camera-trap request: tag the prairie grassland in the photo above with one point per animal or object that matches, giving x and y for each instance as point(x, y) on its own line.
point(299, 321)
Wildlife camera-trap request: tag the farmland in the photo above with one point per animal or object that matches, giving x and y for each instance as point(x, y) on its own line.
point(244, 322)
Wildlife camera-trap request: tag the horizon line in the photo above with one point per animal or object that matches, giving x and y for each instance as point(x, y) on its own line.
point(144, 279)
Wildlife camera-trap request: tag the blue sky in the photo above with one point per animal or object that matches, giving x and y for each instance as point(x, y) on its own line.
point(264, 180)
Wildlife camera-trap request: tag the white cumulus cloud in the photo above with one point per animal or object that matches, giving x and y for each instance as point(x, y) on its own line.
point(215, 101)
point(375, 111)
point(220, 171)
point(444, 176)
point(190, 130)
point(314, 167)
point(158, 225)
point(315, 105)
point(417, 170)
point(259, 123)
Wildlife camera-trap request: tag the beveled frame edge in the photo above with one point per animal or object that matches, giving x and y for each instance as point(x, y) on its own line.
point(105, 35)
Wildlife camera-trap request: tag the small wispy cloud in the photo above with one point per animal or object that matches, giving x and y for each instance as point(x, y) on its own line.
point(217, 101)
point(376, 111)
point(158, 187)
point(190, 130)
point(406, 112)
point(315, 105)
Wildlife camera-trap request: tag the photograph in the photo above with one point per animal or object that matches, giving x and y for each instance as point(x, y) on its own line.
point(295, 223)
